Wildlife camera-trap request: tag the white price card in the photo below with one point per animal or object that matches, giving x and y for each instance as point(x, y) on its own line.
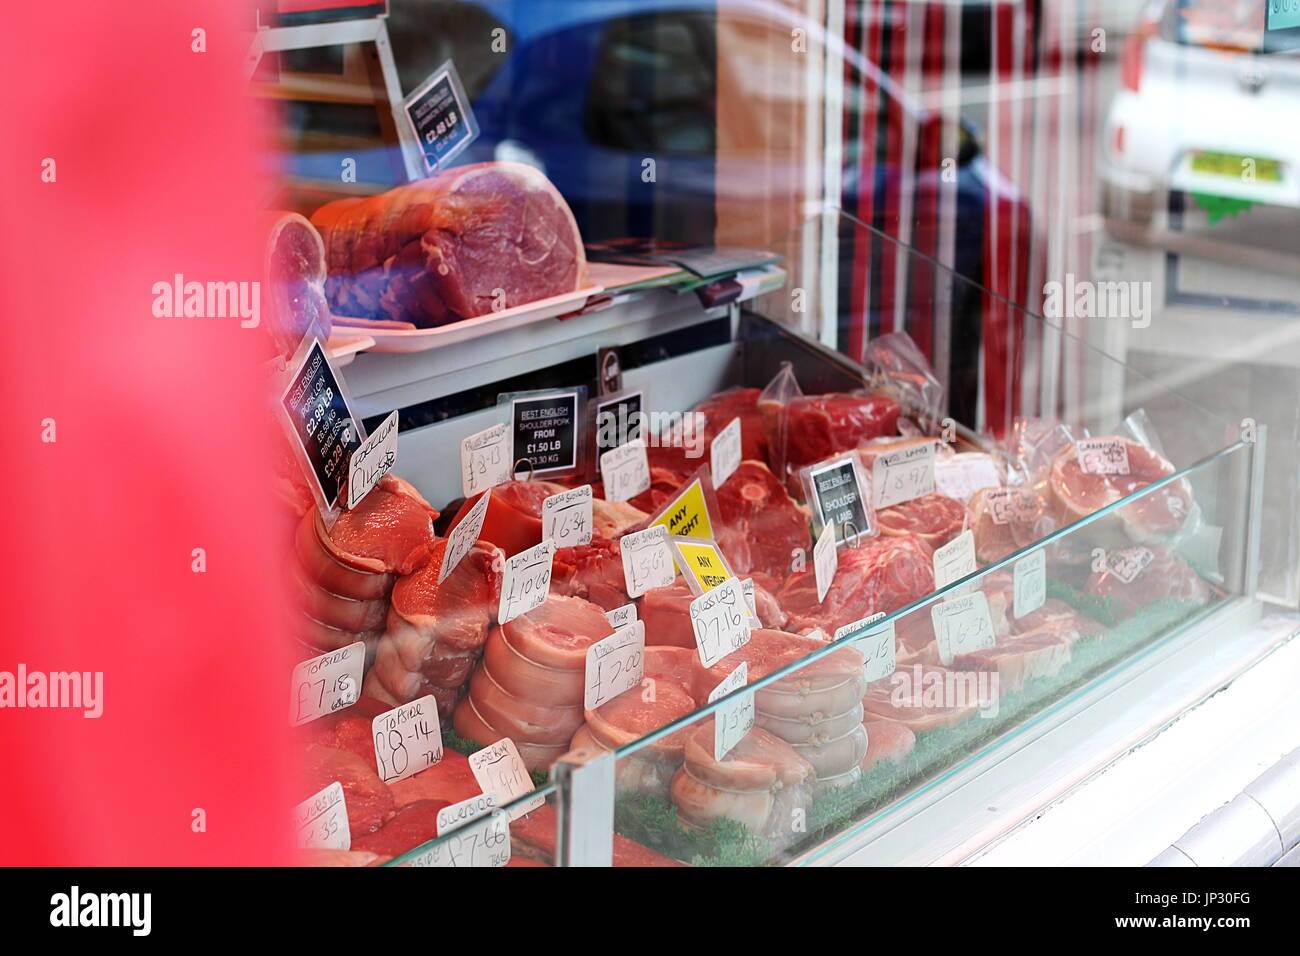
point(960, 476)
point(566, 517)
point(462, 537)
point(647, 560)
point(826, 559)
point(499, 769)
point(485, 460)
point(526, 581)
point(625, 470)
point(720, 621)
point(878, 647)
point(1127, 563)
point(724, 453)
point(407, 739)
point(961, 626)
point(1012, 504)
point(614, 665)
point(734, 719)
point(902, 475)
point(621, 616)
point(1102, 456)
point(1029, 584)
point(457, 815)
point(322, 685)
point(486, 843)
point(955, 560)
point(321, 821)
point(372, 460)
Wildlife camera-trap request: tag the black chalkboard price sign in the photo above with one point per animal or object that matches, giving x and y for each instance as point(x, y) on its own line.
point(439, 113)
point(545, 431)
point(322, 423)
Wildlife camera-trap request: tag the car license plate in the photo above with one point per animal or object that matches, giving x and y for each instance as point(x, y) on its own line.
point(1232, 164)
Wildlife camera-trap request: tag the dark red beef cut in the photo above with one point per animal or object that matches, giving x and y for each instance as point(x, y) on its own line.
point(368, 799)
point(740, 403)
point(754, 503)
point(935, 519)
point(466, 242)
point(813, 427)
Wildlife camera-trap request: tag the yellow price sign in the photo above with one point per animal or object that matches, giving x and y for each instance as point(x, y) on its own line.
point(688, 513)
point(701, 562)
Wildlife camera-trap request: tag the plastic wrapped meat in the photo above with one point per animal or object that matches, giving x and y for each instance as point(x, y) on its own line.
point(1039, 653)
point(1008, 519)
point(1161, 513)
point(1144, 574)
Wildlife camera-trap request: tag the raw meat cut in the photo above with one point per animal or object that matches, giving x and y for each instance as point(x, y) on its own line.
point(514, 516)
point(318, 857)
point(829, 685)
point(935, 519)
point(533, 837)
point(1023, 657)
point(340, 613)
point(1004, 520)
point(412, 825)
point(450, 780)
point(369, 801)
point(294, 275)
point(809, 428)
point(327, 572)
point(753, 503)
point(741, 403)
point(591, 571)
point(436, 631)
point(465, 242)
point(629, 717)
point(802, 730)
point(558, 633)
point(1167, 576)
point(760, 783)
point(667, 614)
point(1078, 493)
point(888, 741)
point(921, 696)
point(389, 531)
point(671, 664)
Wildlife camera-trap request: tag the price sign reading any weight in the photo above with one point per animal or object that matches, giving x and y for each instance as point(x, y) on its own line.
point(961, 626)
point(566, 517)
point(525, 581)
point(484, 460)
point(614, 665)
point(647, 562)
point(327, 683)
point(1102, 456)
point(720, 620)
point(902, 475)
point(407, 739)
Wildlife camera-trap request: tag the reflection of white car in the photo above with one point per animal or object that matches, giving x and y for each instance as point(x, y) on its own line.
point(1202, 113)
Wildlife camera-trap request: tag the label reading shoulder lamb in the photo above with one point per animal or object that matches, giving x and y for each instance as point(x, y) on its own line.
point(321, 422)
point(724, 453)
point(1127, 563)
point(618, 421)
point(826, 560)
point(324, 684)
point(625, 471)
point(734, 719)
point(439, 115)
point(614, 665)
point(463, 536)
point(484, 460)
point(701, 562)
point(486, 843)
point(499, 769)
point(902, 475)
point(961, 626)
point(878, 647)
point(372, 460)
point(688, 513)
point(839, 500)
point(407, 739)
point(1102, 456)
point(566, 517)
point(955, 560)
point(525, 581)
point(720, 621)
point(545, 432)
point(461, 814)
point(321, 821)
point(1029, 584)
point(647, 562)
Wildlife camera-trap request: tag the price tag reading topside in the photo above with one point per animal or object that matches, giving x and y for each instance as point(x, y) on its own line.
point(324, 684)
point(407, 739)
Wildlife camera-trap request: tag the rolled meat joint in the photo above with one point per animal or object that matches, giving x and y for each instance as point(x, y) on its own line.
point(629, 717)
point(294, 276)
point(1078, 493)
point(465, 242)
point(761, 783)
point(436, 631)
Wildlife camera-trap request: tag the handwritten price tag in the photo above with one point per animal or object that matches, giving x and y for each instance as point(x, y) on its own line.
point(321, 821)
point(902, 475)
point(1128, 563)
point(614, 665)
point(479, 844)
point(484, 460)
point(826, 560)
point(879, 647)
point(621, 616)
point(372, 460)
point(499, 769)
point(625, 471)
point(647, 560)
point(407, 739)
point(720, 621)
point(526, 581)
point(724, 453)
point(322, 685)
point(463, 536)
point(566, 517)
point(734, 719)
point(961, 626)
point(465, 812)
point(955, 560)
point(1102, 456)
point(1019, 505)
point(1029, 584)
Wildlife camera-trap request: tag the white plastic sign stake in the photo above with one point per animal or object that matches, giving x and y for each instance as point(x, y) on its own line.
point(879, 647)
point(961, 626)
point(720, 621)
point(566, 517)
point(614, 665)
point(955, 560)
point(407, 739)
point(372, 460)
point(647, 560)
point(485, 460)
point(724, 453)
point(625, 470)
point(499, 769)
point(1029, 584)
point(321, 821)
point(734, 719)
point(486, 843)
point(324, 684)
point(463, 536)
point(1102, 456)
point(526, 581)
point(465, 812)
point(902, 475)
point(826, 559)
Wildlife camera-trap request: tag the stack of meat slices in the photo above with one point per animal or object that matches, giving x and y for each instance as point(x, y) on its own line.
point(344, 576)
point(629, 717)
point(760, 783)
point(817, 709)
point(436, 631)
point(920, 696)
point(529, 685)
